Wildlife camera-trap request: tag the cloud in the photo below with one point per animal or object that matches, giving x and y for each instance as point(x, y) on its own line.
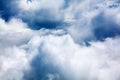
point(6, 11)
point(13, 59)
point(84, 20)
point(13, 63)
point(55, 53)
point(39, 4)
point(41, 13)
point(16, 32)
point(98, 61)
point(92, 20)
point(105, 23)
point(16, 54)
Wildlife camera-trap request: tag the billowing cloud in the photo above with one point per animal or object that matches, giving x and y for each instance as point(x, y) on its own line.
point(53, 54)
point(13, 62)
point(16, 54)
point(46, 40)
point(89, 18)
point(97, 19)
point(98, 61)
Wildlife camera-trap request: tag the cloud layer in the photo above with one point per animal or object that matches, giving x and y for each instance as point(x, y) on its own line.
point(99, 18)
point(53, 54)
point(60, 40)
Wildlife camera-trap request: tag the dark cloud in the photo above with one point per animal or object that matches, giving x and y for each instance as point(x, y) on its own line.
point(105, 27)
point(42, 68)
point(40, 19)
point(8, 9)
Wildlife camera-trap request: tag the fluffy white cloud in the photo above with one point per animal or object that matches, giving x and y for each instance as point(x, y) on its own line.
point(13, 63)
point(13, 60)
point(20, 45)
point(98, 61)
point(39, 4)
point(15, 51)
point(14, 32)
point(41, 9)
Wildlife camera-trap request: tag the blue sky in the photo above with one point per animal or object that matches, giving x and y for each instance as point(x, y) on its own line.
point(59, 40)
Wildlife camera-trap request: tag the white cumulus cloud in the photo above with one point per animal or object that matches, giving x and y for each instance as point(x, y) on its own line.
point(23, 50)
